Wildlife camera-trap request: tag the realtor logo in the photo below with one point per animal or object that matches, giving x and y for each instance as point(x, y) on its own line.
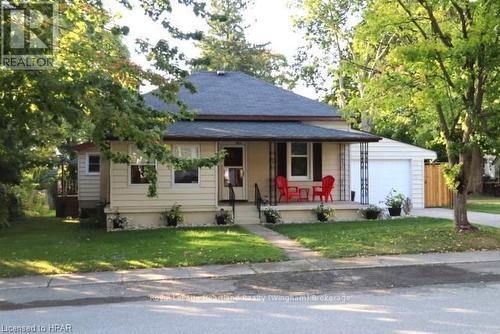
point(28, 35)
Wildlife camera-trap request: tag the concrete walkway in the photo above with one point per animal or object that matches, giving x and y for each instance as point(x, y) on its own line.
point(292, 249)
point(217, 271)
point(474, 217)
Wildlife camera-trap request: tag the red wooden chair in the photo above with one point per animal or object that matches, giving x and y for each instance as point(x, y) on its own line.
point(325, 190)
point(285, 191)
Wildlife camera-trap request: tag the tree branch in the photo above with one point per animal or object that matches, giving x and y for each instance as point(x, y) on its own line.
point(435, 25)
point(443, 69)
point(462, 18)
point(442, 121)
point(412, 19)
point(381, 53)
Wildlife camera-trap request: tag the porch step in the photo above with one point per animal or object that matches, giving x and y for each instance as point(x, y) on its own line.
point(247, 214)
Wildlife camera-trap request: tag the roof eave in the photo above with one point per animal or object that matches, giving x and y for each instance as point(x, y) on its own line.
point(266, 118)
point(268, 139)
point(84, 146)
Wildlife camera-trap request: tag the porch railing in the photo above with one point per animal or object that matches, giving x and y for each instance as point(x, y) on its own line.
point(232, 198)
point(258, 198)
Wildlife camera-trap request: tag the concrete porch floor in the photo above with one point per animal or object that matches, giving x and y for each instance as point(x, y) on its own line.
point(294, 205)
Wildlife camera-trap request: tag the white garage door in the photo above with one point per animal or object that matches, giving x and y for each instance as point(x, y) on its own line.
point(383, 176)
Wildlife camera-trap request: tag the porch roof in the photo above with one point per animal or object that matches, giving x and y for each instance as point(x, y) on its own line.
point(261, 131)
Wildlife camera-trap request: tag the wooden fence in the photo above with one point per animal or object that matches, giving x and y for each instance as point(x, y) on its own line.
point(436, 191)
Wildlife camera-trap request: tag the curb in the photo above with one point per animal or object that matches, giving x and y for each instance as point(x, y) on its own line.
point(230, 270)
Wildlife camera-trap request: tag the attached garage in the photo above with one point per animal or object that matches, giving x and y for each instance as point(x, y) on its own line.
point(391, 164)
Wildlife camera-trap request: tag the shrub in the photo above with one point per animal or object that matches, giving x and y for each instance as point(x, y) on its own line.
point(93, 217)
point(272, 215)
point(324, 213)
point(223, 218)
point(4, 209)
point(117, 221)
point(407, 206)
point(173, 217)
point(14, 206)
point(371, 212)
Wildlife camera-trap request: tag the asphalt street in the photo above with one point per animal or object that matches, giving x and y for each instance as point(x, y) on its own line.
point(454, 308)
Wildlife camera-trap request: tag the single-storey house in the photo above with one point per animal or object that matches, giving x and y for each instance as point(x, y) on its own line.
point(266, 131)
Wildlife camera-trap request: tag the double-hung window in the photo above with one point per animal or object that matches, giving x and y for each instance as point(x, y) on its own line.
point(93, 163)
point(186, 176)
point(299, 162)
point(138, 166)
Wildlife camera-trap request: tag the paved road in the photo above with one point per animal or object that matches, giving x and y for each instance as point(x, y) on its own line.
point(482, 218)
point(458, 308)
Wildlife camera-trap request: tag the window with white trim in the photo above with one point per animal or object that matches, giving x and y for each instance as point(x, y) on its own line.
point(187, 176)
point(299, 161)
point(138, 165)
point(93, 163)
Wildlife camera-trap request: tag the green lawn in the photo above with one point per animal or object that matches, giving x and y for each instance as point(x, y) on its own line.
point(51, 245)
point(488, 204)
point(398, 236)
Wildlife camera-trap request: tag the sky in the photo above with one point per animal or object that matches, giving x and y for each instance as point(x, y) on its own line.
point(269, 20)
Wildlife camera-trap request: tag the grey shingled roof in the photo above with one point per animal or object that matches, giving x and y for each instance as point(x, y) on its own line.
point(266, 131)
point(238, 94)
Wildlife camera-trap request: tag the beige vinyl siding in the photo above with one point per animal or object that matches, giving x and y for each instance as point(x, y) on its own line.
point(104, 180)
point(125, 195)
point(330, 166)
point(89, 185)
point(258, 169)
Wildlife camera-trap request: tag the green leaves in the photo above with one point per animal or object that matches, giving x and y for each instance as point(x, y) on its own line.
point(93, 95)
point(225, 47)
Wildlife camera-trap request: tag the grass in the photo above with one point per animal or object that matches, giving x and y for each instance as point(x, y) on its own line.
point(398, 236)
point(488, 204)
point(51, 245)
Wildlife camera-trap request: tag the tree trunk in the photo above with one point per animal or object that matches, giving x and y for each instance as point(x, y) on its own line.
point(366, 119)
point(460, 213)
point(475, 184)
point(462, 223)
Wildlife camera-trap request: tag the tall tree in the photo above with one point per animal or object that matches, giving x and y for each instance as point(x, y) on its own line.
point(331, 61)
point(225, 46)
point(445, 65)
point(93, 93)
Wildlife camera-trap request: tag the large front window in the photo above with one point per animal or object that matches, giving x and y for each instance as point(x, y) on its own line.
point(186, 176)
point(299, 161)
point(138, 168)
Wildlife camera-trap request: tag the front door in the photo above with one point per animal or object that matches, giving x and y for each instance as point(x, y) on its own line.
point(234, 172)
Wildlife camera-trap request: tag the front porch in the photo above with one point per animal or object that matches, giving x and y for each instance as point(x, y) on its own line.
point(249, 172)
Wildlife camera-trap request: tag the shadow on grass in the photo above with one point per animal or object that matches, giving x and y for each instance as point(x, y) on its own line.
point(51, 245)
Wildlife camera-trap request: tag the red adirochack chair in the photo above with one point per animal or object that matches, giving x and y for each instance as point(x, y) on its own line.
point(285, 191)
point(325, 190)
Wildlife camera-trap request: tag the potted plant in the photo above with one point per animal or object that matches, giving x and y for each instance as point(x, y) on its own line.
point(118, 221)
point(324, 213)
point(371, 212)
point(394, 201)
point(272, 215)
point(223, 218)
point(173, 217)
